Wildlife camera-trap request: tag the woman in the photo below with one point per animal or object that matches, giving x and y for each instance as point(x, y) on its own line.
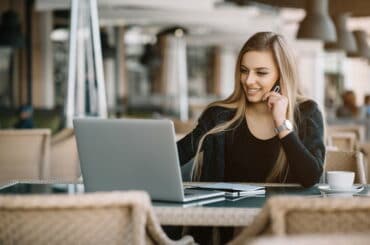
point(258, 134)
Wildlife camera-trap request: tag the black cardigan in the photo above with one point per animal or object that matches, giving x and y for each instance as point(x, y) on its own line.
point(305, 152)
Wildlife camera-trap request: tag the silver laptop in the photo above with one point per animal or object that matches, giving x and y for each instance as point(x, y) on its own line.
point(133, 154)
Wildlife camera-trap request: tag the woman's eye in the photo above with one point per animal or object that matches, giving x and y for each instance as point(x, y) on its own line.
point(262, 73)
point(243, 71)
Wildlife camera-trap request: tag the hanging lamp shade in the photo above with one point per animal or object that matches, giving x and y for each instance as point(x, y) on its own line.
point(317, 24)
point(10, 30)
point(345, 38)
point(363, 49)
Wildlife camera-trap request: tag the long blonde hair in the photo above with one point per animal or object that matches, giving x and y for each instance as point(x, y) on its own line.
point(261, 41)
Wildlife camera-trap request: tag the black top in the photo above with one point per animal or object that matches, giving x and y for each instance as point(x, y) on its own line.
point(247, 158)
point(304, 148)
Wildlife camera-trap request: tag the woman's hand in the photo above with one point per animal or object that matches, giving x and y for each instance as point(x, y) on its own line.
point(278, 104)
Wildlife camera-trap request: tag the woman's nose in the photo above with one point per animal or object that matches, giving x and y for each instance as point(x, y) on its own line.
point(250, 79)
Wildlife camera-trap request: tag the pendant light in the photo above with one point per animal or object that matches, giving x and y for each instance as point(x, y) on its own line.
point(363, 49)
point(317, 24)
point(345, 38)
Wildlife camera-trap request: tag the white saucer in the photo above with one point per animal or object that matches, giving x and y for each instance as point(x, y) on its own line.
point(327, 189)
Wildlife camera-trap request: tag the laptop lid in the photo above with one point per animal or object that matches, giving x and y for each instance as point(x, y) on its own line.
point(129, 154)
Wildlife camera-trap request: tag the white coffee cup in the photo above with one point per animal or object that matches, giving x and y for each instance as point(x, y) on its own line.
point(340, 179)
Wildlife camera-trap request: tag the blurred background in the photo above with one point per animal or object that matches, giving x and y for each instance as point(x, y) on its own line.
point(161, 58)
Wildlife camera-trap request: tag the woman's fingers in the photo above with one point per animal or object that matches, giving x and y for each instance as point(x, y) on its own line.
point(275, 99)
point(267, 95)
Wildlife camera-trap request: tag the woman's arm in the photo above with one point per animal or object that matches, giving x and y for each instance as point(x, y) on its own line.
point(306, 153)
point(187, 146)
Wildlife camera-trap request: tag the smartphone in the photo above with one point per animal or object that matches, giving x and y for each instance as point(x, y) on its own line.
point(276, 88)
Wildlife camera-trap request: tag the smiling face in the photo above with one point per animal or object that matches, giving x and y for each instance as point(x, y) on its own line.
point(258, 74)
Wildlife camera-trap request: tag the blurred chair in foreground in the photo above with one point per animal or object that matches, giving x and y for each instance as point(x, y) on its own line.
point(337, 239)
point(346, 161)
point(97, 218)
point(24, 154)
point(64, 163)
point(286, 216)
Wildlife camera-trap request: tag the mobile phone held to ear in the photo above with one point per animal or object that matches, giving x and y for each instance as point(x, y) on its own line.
point(276, 88)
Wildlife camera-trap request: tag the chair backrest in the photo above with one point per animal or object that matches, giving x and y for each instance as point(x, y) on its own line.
point(288, 215)
point(64, 161)
point(358, 130)
point(345, 141)
point(182, 127)
point(346, 161)
point(96, 218)
point(24, 154)
point(365, 149)
point(337, 239)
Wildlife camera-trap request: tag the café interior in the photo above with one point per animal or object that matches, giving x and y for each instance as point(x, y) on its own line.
point(169, 59)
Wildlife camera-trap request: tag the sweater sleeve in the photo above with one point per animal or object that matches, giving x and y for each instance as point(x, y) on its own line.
point(306, 153)
point(187, 146)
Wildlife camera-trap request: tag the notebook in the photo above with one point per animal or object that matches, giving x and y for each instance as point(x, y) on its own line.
point(133, 154)
point(231, 189)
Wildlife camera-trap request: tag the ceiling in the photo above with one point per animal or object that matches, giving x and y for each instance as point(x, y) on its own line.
point(214, 21)
point(358, 8)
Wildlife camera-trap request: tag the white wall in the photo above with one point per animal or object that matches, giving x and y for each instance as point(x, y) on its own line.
point(357, 77)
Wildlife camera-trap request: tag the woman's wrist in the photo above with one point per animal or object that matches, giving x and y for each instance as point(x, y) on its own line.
point(278, 122)
point(283, 127)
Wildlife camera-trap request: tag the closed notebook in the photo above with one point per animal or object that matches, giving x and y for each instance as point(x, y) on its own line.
point(231, 189)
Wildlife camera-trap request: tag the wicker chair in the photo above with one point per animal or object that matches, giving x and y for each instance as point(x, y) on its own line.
point(24, 154)
point(345, 141)
point(97, 218)
point(285, 216)
point(358, 130)
point(64, 162)
point(337, 239)
point(347, 161)
point(365, 149)
point(182, 128)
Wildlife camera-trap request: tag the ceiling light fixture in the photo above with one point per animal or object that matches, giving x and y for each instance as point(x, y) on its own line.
point(317, 24)
point(345, 38)
point(363, 49)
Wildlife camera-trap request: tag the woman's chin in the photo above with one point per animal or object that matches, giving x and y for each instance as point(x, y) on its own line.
point(254, 99)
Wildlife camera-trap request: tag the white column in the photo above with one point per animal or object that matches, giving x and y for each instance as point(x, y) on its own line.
point(311, 69)
point(357, 77)
point(47, 96)
point(5, 54)
point(176, 77)
point(228, 58)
